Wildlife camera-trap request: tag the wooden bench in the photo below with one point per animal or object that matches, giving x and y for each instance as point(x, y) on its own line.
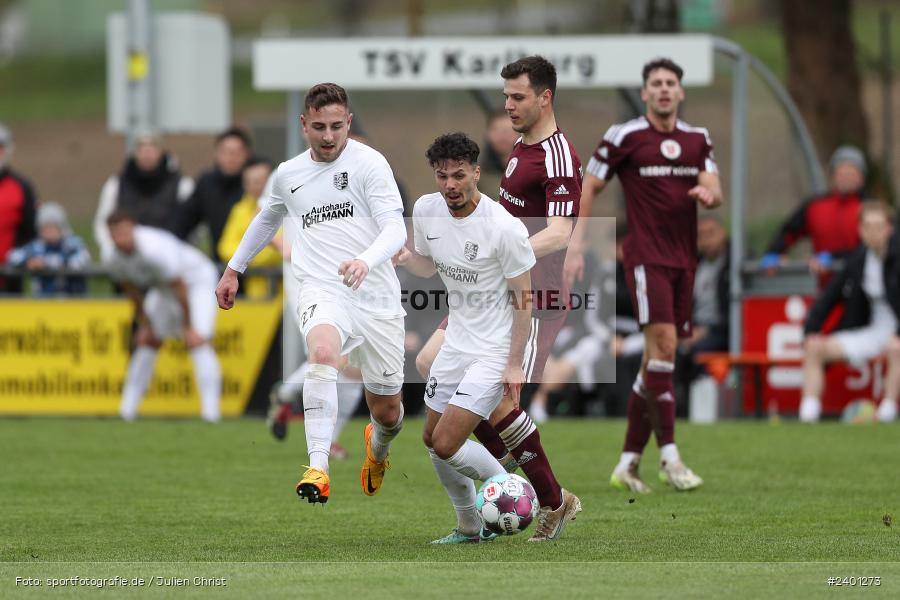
point(719, 364)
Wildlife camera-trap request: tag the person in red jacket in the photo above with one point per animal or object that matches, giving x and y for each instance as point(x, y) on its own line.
point(829, 220)
point(17, 210)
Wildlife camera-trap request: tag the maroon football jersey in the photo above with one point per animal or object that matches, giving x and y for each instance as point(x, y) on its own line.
point(657, 170)
point(543, 180)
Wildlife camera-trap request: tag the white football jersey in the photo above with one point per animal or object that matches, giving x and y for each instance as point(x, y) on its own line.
point(158, 259)
point(474, 256)
point(332, 209)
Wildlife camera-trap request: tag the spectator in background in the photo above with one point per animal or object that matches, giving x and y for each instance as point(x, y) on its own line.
point(830, 220)
point(256, 173)
point(17, 210)
point(499, 138)
point(711, 285)
point(628, 341)
point(150, 187)
point(55, 248)
point(218, 189)
point(869, 289)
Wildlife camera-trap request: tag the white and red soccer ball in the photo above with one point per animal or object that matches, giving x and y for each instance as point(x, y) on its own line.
point(507, 503)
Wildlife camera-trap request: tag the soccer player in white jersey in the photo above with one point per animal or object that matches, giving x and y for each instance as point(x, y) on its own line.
point(484, 258)
point(347, 211)
point(171, 284)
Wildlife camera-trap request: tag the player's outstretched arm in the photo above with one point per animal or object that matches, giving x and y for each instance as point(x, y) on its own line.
point(708, 191)
point(513, 375)
point(391, 238)
point(573, 270)
point(227, 288)
point(554, 237)
point(415, 263)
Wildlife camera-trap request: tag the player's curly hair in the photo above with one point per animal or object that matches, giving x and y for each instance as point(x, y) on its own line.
point(325, 94)
point(541, 73)
point(662, 63)
point(452, 146)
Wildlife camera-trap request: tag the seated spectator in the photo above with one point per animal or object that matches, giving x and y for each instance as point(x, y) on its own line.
point(583, 342)
point(55, 248)
point(218, 189)
point(17, 210)
point(869, 289)
point(150, 187)
point(829, 220)
point(711, 286)
point(256, 173)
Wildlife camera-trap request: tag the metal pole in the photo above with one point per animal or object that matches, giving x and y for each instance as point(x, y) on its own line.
point(738, 188)
point(140, 88)
point(887, 127)
point(293, 136)
point(293, 352)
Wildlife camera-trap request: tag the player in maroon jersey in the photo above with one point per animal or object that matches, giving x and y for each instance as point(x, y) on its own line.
point(542, 187)
point(666, 168)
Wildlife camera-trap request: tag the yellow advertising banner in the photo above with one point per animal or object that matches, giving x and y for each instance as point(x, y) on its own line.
point(68, 357)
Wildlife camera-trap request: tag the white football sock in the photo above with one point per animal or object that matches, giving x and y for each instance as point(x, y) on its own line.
point(208, 373)
point(137, 380)
point(292, 388)
point(810, 409)
point(474, 461)
point(320, 406)
point(382, 436)
point(668, 454)
point(887, 410)
point(461, 491)
point(349, 393)
point(626, 459)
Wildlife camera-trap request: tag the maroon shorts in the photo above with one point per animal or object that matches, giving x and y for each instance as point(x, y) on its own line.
point(541, 338)
point(661, 294)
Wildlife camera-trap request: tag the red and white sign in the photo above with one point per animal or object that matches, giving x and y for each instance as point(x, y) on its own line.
point(774, 325)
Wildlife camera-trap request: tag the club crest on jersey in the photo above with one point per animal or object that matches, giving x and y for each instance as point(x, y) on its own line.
point(670, 149)
point(341, 180)
point(512, 165)
point(471, 251)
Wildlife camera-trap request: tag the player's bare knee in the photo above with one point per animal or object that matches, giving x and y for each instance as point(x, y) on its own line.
point(893, 350)
point(444, 446)
point(322, 354)
point(426, 437)
point(814, 349)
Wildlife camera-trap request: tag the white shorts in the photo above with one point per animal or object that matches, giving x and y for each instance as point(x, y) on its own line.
point(167, 319)
point(863, 344)
point(475, 384)
point(374, 345)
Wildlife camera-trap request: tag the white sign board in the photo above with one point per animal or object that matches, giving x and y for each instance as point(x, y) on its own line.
point(190, 67)
point(472, 62)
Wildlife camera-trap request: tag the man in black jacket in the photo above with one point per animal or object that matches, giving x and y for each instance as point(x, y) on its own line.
point(869, 289)
point(217, 190)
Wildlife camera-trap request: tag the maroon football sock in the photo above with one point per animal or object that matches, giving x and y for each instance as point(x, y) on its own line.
point(490, 439)
point(639, 429)
point(665, 404)
point(522, 439)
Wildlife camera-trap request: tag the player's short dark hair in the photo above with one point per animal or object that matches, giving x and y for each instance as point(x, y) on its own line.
point(452, 146)
point(876, 206)
point(120, 215)
point(325, 94)
point(234, 132)
point(662, 63)
point(541, 73)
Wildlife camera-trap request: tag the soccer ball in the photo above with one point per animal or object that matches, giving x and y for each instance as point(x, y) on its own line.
point(507, 503)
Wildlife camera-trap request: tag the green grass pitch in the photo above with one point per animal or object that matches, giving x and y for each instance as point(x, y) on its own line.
point(784, 508)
